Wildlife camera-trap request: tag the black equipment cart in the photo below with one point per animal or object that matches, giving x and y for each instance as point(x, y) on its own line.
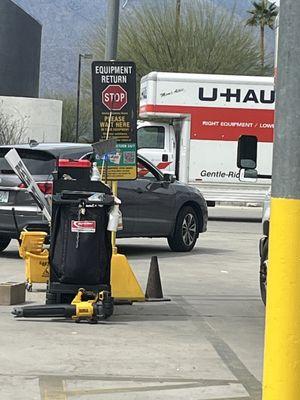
point(80, 248)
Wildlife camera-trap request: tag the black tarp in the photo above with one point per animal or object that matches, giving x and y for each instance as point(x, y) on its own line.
point(84, 258)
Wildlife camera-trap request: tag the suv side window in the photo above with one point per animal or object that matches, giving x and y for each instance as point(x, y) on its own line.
point(146, 172)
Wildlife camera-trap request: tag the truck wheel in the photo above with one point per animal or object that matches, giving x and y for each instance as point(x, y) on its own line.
point(263, 271)
point(4, 242)
point(186, 230)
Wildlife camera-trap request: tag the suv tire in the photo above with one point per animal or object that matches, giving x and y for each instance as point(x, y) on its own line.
point(186, 230)
point(4, 242)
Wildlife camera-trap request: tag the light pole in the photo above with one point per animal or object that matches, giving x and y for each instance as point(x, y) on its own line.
point(85, 57)
point(177, 28)
point(112, 28)
point(111, 47)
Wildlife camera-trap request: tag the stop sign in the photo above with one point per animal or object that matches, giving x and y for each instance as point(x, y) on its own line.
point(114, 97)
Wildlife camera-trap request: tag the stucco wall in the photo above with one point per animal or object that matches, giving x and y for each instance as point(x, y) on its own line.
point(41, 118)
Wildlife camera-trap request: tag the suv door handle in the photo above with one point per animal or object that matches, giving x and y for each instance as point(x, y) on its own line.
point(139, 190)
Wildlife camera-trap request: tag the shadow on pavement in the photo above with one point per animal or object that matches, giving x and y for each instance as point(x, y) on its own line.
point(135, 250)
point(234, 219)
point(142, 250)
point(13, 254)
point(164, 251)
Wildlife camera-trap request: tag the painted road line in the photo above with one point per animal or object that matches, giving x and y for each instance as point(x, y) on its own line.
point(226, 354)
point(162, 392)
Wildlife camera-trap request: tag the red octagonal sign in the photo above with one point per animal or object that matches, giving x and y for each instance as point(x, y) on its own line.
point(114, 97)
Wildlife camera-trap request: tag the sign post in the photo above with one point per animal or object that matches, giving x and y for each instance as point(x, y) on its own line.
point(114, 115)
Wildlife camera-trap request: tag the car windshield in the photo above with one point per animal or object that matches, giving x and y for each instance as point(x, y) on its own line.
point(38, 163)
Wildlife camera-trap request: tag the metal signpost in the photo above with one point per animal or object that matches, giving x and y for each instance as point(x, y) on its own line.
point(114, 115)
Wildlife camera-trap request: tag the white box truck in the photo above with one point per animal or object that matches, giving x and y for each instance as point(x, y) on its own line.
point(191, 124)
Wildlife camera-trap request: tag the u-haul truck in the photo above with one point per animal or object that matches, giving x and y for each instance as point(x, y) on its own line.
point(191, 124)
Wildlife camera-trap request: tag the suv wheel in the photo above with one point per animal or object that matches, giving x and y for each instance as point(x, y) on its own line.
point(263, 271)
point(4, 242)
point(186, 230)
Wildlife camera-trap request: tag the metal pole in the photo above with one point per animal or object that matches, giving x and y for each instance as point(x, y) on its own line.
point(78, 99)
point(282, 343)
point(177, 28)
point(111, 45)
point(112, 26)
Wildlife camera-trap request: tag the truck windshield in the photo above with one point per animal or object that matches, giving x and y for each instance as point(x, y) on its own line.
point(151, 137)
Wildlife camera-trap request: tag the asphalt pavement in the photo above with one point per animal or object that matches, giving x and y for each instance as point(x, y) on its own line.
point(206, 343)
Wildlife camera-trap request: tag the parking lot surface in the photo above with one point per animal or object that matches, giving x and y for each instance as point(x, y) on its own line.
point(206, 343)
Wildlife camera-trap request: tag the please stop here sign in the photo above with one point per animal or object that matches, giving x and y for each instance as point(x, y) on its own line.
point(114, 117)
point(114, 97)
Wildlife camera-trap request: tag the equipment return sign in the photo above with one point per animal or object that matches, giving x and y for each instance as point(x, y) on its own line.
point(114, 116)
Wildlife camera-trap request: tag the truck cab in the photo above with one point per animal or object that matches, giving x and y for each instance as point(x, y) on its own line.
point(157, 142)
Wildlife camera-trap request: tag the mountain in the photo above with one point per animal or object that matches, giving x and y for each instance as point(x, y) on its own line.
point(65, 26)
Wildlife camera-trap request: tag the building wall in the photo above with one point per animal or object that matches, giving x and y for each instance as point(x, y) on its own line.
point(20, 48)
point(40, 119)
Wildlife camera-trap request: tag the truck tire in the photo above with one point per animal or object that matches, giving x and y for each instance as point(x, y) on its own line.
point(4, 242)
point(263, 271)
point(186, 230)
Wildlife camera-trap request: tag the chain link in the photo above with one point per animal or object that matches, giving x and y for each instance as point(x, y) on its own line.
point(81, 211)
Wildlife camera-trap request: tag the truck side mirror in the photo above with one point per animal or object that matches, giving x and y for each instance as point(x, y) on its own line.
point(247, 152)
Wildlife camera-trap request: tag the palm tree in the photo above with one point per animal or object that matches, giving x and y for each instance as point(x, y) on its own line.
point(263, 14)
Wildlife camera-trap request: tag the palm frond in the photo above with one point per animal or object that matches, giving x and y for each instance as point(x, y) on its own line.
point(263, 14)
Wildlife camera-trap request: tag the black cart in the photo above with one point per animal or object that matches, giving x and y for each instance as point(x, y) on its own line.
point(80, 247)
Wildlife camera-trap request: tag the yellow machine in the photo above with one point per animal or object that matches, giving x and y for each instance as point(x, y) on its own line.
point(86, 306)
point(36, 257)
point(124, 284)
